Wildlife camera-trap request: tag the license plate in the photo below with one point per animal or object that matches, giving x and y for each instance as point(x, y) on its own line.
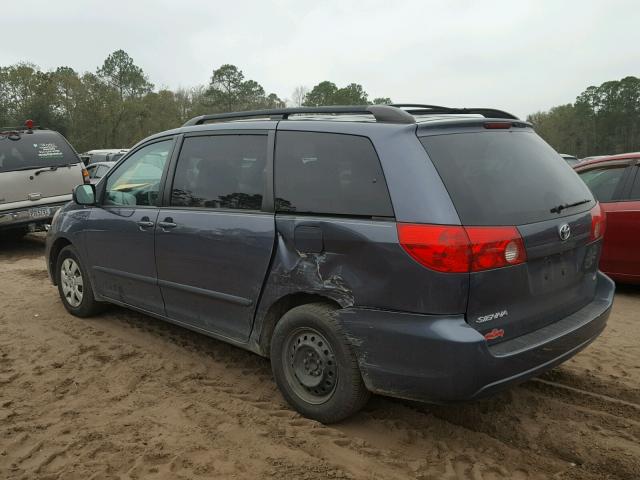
point(39, 212)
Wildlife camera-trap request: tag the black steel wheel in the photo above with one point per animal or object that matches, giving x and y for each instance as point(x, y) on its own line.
point(310, 365)
point(314, 365)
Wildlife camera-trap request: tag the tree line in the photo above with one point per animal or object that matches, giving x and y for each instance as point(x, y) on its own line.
point(603, 120)
point(117, 105)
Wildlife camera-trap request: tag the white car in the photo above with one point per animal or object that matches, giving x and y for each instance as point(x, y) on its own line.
point(103, 155)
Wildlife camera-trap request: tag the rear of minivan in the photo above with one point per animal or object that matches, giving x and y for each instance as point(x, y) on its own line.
point(525, 249)
point(38, 171)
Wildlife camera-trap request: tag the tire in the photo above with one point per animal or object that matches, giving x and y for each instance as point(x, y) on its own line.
point(74, 285)
point(314, 366)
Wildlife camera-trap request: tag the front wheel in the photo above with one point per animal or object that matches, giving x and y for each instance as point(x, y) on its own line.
point(74, 285)
point(314, 366)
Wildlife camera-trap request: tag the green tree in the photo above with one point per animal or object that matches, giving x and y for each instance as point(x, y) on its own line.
point(322, 94)
point(604, 119)
point(352, 94)
point(382, 101)
point(328, 93)
point(119, 72)
point(230, 91)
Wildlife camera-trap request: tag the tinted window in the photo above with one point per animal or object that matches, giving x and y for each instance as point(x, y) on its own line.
point(137, 180)
point(603, 182)
point(635, 190)
point(504, 178)
point(221, 171)
point(328, 173)
point(23, 151)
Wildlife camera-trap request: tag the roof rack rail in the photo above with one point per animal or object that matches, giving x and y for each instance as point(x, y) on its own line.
point(382, 113)
point(420, 109)
point(18, 129)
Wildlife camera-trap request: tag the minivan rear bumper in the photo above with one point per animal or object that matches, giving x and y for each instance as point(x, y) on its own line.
point(442, 359)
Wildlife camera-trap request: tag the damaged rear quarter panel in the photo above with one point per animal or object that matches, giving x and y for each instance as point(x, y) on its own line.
point(361, 264)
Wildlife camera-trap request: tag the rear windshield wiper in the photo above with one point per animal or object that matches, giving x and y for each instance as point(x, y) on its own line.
point(47, 169)
point(53, 168)
point(559, 208)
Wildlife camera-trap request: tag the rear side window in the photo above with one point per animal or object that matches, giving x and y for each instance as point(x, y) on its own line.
point(24, 151)
point(635, 189)
point(326, 173)
point(505, 177)
point(603, 182)
point(221, 171)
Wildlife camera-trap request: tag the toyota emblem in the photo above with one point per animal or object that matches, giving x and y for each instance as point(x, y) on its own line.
point(564, 231)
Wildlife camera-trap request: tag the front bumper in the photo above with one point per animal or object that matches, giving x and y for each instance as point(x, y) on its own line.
point(442, 359)
point(31, 217)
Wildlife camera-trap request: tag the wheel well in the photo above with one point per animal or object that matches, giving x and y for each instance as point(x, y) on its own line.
point(57, 246)
point(282, 306)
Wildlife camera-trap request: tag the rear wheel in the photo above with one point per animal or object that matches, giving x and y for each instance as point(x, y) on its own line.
point(314, 366)
point(74, 285)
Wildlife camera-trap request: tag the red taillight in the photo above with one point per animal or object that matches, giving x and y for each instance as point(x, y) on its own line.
point(444, 248)
point(457, 249)
point(497, 125)
point(85, 176)
point(598, 222)
point(495, 247)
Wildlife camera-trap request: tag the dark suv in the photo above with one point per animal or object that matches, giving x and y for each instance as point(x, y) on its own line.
point(413, 251)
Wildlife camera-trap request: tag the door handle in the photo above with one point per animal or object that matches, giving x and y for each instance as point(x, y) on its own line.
point(167, 224)
point(145, 223)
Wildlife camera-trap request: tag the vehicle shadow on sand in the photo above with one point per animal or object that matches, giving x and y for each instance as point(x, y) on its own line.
point(29, 246)
point(628, 289)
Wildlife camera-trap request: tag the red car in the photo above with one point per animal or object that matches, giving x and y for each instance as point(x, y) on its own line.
point(615, 182)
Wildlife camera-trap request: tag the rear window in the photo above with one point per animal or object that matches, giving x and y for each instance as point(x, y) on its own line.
point(26, 151)
point(331, 174)
point(505, 177)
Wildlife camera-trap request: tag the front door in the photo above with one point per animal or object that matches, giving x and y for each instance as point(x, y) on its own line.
point(120, 233)
point(214, 239)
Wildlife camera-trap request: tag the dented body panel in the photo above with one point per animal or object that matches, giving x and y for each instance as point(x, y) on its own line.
point(355, 263)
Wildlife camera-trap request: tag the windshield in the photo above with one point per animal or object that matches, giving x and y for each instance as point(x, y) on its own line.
point(24, 151)
point(506, 177)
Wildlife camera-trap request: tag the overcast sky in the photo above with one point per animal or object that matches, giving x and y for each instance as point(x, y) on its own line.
point(521, 56)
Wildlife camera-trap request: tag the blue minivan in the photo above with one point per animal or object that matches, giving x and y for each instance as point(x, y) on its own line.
point(414, 251)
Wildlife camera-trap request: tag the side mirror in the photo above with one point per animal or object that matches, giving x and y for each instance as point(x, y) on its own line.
point(85, 194)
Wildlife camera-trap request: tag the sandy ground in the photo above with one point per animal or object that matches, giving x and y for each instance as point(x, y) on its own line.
point(125, 396)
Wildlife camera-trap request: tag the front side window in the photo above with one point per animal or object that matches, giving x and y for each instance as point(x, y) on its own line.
point(332, 174)
point(136, 182)
point(603, 182)
point(220, 171)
